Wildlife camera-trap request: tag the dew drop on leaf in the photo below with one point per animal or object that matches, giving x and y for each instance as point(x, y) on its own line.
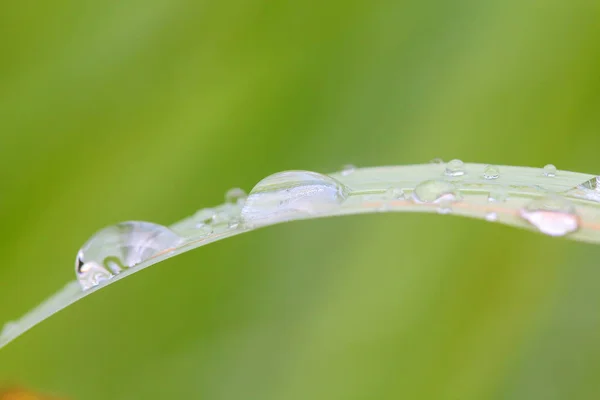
point(394, 193)
point(235, 196)
point(455, 168)
point(550, 171)
point(286, 194)
point(435, 191)
point(553, 215)
point(491, 172)
point(498, 195)
point(121, 246)
point(348, 169)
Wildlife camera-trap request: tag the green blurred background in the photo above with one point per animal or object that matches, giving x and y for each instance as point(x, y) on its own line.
point(151, 109)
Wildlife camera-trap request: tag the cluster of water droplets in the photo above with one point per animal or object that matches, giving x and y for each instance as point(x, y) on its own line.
point(292, 195)
point(556, 203)
point(280, 197)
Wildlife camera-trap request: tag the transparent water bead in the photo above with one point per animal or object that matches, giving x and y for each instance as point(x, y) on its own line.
point(394, 193)
point(436, 161)
point(498, 195)
point(553, 215)
point(491, 216)
point(491, 172)
point(201, 230)
point(291, 193)
point(445, 206)
point(235, 196)
point(118, 247)
point(550, 171)
point(348, 169)
point(455, 168)
point(435, 191)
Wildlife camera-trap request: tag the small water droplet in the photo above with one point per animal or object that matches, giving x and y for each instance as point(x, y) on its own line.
point(491, 216)
point(220, 217)
point(455, 168)
point(201, 230)
point(445, 205)
point(553, 215)
point(285, 195)
point(395, 193)
point(205, 216)
point(234, 223)
point(435, 191)
point(491, 172)
point(348, 169)
point(436, 161)
point(550, 171)
point(498, 195)
point(235, 196)
point(121, 246)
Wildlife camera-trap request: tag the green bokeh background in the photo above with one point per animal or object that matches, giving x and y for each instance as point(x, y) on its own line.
point(151, 109)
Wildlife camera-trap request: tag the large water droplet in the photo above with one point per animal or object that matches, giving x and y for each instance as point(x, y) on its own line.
point(550, 171)
point(348, 169)
point(435, 191)
point(235, 196)
point(553, 215)
point(491, 172)
point(121, 246)
point(285, 195)
point(455, 168)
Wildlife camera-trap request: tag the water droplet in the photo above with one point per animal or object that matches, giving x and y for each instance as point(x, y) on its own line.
point(235, 196)
point(233, 223)
point(550, 171)
point(201, 229)
point(220, 217)
point(445, 206)
point(121, 246)
point(205, 216)
point(491, 216)
point(436, 161)
point(285, 195)
point(455, 168)
point(491, 172)
point(348, 169)
point(394, 193)
point(435, 191)
point(553, 215)
point(498, 195)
